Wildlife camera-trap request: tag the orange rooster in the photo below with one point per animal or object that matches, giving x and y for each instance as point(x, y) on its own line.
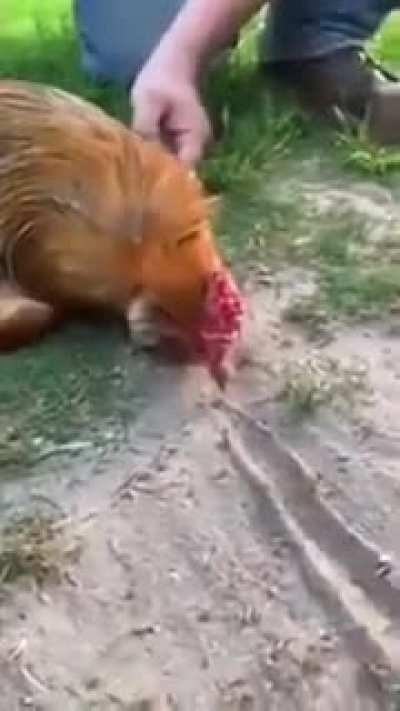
point(94, 217)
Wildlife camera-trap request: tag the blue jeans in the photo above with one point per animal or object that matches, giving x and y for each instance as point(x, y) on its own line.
point(117, 36)
point(307, 29)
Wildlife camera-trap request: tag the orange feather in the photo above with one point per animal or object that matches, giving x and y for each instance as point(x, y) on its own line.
point(91, 215)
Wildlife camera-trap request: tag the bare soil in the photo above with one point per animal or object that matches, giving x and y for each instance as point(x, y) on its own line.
point(234, 556)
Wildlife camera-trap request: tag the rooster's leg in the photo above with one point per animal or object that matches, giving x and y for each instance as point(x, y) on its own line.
point(22, 319)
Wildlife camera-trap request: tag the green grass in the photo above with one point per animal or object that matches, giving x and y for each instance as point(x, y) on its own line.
point(351, 281)
point(315, 382)
point(20, 18)
point(355, 277)
point(386, 45)
point(38, 43)
point(38, 548)
point(79, 386)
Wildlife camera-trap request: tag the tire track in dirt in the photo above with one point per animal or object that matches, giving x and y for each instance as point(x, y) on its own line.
point(344, 563)
point(229, 581)
point(215, 572)
point(201, 607)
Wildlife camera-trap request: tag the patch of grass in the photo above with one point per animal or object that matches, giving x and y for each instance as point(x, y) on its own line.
point(19, 19)
point(260, 225)
point(317, 381)
point(257, 136)
point(339, 239)
point(385, 46)
point(255, 131)
point(360, 154)
point(80, 385)
point(38, 43)
point(37, 548)
point(354, 277)
point(236, 163)
point(366, 291)
point(353, 291)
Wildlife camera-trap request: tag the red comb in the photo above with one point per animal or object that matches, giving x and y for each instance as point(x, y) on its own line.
point(224, 303)
point(221, 321)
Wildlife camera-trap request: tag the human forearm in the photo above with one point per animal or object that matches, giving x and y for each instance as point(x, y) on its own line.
point(203, 27)
point(165, 95)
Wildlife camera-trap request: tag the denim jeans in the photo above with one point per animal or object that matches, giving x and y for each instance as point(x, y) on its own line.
point(117, 36)
point(306, 29)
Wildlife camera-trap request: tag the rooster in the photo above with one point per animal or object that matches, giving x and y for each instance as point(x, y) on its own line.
point(93, 217)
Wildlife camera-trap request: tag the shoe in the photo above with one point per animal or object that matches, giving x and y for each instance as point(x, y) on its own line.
point(347, 88)
point(382, 119)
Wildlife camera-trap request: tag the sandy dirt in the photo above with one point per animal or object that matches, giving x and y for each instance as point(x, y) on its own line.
point(233, 557)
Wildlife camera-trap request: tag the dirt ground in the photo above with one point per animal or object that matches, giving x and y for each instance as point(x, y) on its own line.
point(232, 556)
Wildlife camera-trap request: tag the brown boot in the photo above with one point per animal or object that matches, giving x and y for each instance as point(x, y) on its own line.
point(383, 113)
point(346, 88)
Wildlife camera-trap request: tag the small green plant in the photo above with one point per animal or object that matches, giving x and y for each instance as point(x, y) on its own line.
point(361, 154)
point(35, 547)
point(339, 240)
point(366, 292)
point(315, 381)
point(356, 278)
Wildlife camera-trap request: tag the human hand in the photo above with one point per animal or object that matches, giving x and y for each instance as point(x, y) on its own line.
point(167, 106)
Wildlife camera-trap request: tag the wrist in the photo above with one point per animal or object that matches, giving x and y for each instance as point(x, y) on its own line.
point(180, 55)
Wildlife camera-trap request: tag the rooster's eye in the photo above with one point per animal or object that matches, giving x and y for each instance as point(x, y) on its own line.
point(186, 238)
